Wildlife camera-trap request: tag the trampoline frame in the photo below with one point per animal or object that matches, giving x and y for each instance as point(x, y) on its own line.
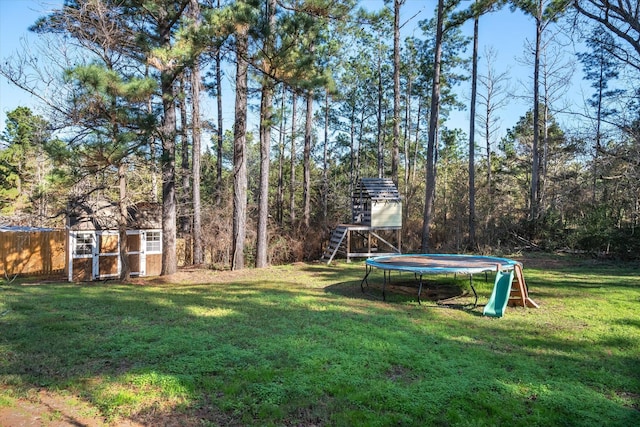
point(490, 264)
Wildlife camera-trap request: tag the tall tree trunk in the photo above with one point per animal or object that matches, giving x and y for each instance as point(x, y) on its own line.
point(352, 150)
point(395, 154)
point(602, 83)
point(325, 161)
point(413, 165)
point(307, 160)
point(380, 156)
point(152, 152)
point(184, 148)
point(198, 252)
point(125, 268)
point(168, 166)
point(406, 138)
point(487, 131)
point(430, 187)
point(239, 153)
point(412, 158)
point(359, 138)
point(292, 169)
point(535, 155)
point(280, 189)
point(154, 170)
point(544, 159)
point(488, 221)
point(219, 131)
point(266, 113)
point(597, 147)
point(168, 77)
point(183, 208)
point(472, 139)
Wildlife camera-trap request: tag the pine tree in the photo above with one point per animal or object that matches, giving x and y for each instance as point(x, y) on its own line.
point(112, 112)
point(600, 68)
point(239, 152)
point(544, 13)
point(266, 116)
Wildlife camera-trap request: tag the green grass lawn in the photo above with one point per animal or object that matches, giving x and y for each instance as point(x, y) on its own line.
point(302, 345)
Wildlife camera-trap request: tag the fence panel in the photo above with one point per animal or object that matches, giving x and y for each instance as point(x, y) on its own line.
point(32, 252)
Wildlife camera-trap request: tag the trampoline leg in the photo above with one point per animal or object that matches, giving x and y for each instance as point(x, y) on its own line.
point(420, 290)
point(475, 304)
point(364, 279)
point(384, 284)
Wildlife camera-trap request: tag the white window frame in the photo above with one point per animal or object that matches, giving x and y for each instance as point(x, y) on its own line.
point(90, 243)
point(158, 241)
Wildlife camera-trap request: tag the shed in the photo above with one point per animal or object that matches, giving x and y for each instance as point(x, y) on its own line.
point(94, 240)
point(376, 203)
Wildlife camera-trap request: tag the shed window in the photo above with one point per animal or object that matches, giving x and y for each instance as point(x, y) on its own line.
point(154, 242)
point(84, 244)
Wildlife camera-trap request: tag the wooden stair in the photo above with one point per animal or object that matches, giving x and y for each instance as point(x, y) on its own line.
point(335, 243)
point(519, 296)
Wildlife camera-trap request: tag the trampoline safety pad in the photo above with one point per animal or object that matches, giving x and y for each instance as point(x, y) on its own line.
point(423, 264)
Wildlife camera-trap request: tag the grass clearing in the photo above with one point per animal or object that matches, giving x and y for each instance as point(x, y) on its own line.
point(302, 345)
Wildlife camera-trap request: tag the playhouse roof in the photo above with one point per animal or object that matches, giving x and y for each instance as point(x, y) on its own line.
point(103, 215)
point(378, 189)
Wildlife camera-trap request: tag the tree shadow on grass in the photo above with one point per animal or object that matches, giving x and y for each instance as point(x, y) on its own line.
point(434, 293)
point(260, 351)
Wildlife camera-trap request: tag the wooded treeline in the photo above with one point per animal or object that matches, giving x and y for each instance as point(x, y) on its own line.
point(323, 93)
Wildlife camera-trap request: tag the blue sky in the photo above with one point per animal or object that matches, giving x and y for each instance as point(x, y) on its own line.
point(505, 31)
point(15, 18)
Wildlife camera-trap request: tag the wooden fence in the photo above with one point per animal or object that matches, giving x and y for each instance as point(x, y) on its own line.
point(33, 252)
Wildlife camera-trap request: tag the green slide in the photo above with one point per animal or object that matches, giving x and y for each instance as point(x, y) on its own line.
point(500, 294)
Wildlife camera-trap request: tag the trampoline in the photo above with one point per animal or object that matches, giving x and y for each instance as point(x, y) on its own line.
point(423, 264)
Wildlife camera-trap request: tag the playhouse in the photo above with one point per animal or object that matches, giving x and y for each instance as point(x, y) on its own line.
point(376, 222)
point(94, 240)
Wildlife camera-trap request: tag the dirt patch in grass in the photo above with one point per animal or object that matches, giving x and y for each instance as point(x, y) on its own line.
point(49, 409)
point(195, 275)
point(45, 408)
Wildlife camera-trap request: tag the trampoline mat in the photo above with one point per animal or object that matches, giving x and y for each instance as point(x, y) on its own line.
point(441, 263)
